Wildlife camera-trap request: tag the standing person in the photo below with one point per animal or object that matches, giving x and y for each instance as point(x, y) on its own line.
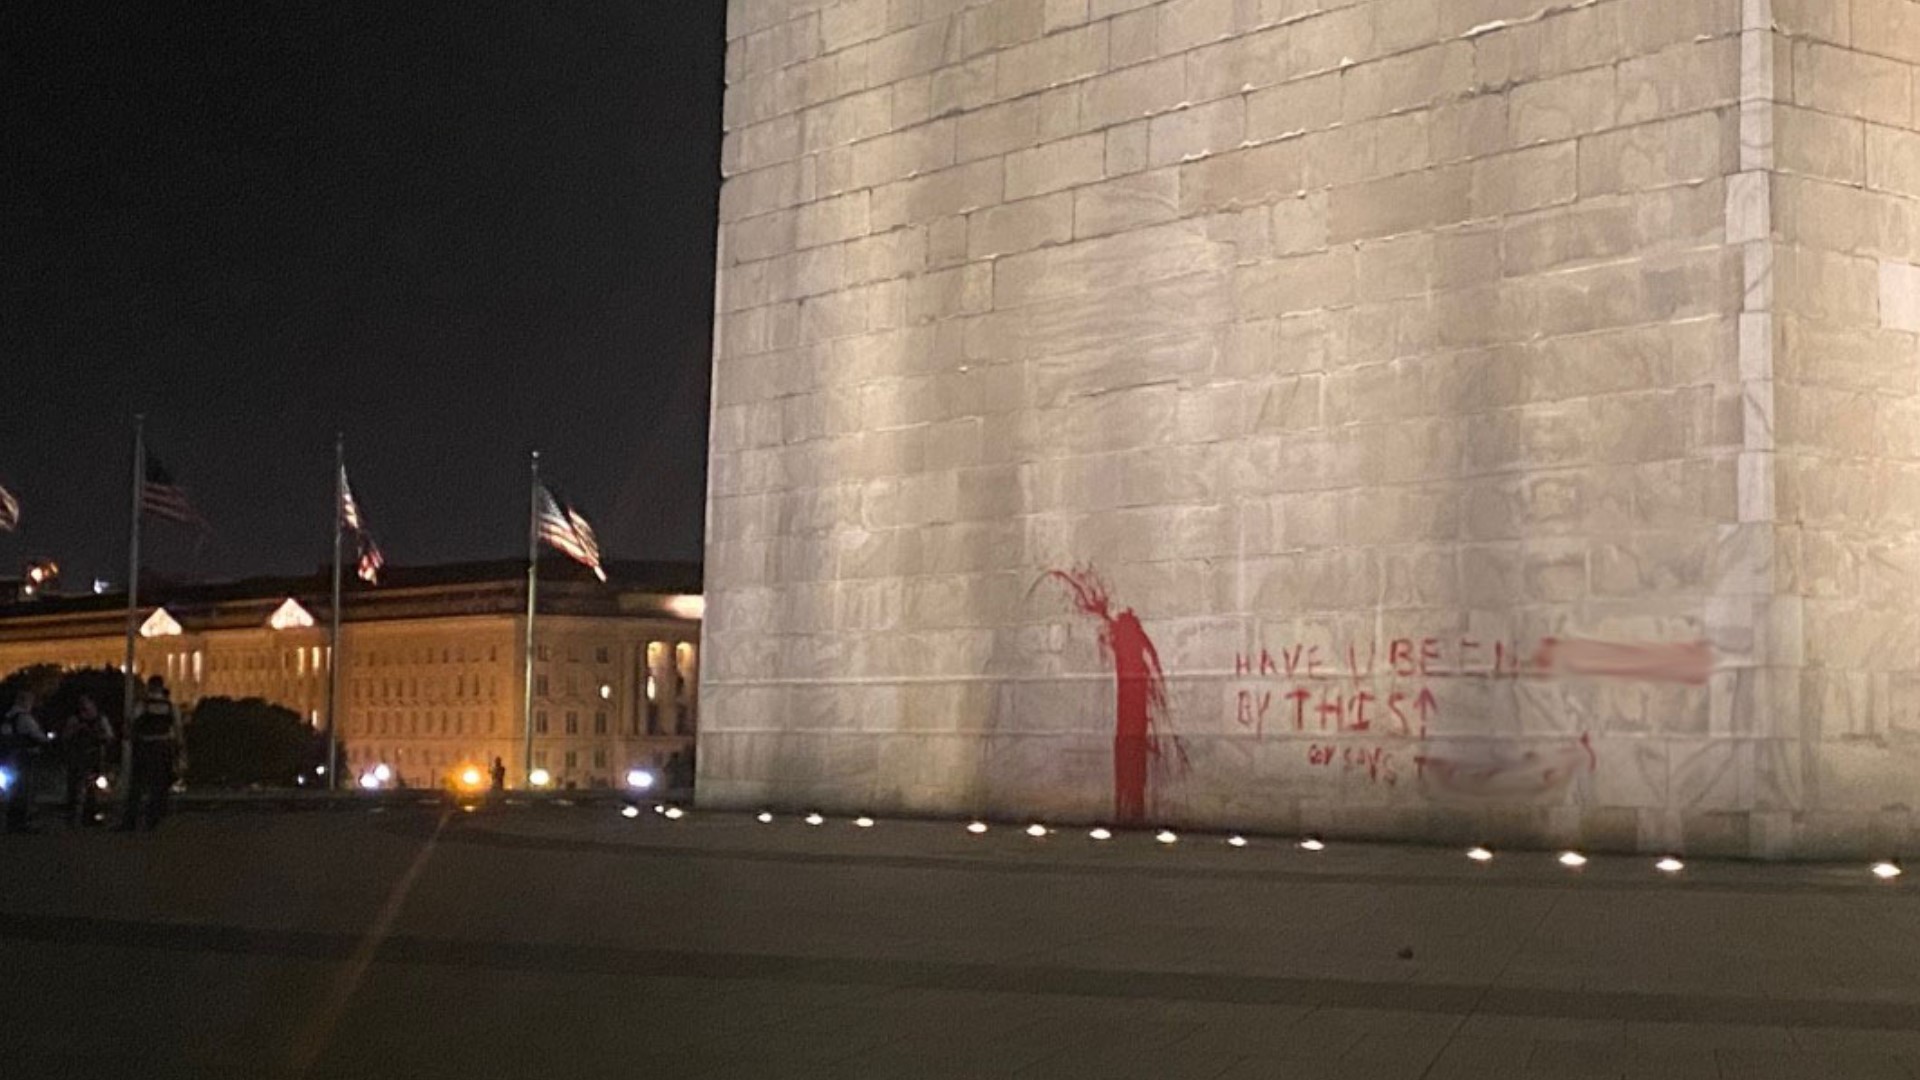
point(499, 775)
point(21, 738)
point(84, 739)
point(155, 731)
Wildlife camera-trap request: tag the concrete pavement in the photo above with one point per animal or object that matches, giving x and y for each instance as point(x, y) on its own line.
point(515, 941)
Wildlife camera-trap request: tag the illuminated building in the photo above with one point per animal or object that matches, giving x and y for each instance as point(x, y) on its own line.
point(432, 678)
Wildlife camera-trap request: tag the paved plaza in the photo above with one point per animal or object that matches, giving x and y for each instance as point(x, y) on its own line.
point(522, 941)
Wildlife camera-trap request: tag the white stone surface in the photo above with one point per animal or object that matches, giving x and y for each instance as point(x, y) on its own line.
point(1322, 333)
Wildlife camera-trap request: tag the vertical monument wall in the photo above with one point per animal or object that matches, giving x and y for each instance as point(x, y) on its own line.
point(1846, 356)
point(1405, 418)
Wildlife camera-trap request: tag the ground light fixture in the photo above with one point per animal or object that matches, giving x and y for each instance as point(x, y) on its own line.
point(673, 813)
point(1167, 836)
point(1669, 865)
point(1479, 854)
point(629, 811)
point(470, 777)
point(1572, 860)
point(1236, 840)
point(100, 782)
point(1100, 832)
point(863, 822)
point(369, 782)
point(764, 817)
point(814, 819)
point(1036, 830)
point(382, 773)
point(639, 779)
point(1313, 843)
point(6, 779)
point(1887, 869)
point(976, 827)
point(538, 777)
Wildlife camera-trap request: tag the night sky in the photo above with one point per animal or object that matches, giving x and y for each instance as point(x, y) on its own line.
point(455, 231)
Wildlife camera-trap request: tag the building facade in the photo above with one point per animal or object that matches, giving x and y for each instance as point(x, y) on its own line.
point(1437, 419)
point(432, 670)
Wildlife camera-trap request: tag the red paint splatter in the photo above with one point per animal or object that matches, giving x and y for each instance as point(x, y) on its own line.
point(1140, 692)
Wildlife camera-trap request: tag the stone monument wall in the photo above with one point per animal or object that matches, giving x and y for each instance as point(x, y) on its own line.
point(1439, 419)
point(1845, 358)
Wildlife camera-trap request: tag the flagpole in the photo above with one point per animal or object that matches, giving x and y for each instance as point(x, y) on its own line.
point(533, 592)
point(133, 594)
point(333, 637)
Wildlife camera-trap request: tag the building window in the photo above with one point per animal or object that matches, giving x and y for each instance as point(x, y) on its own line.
point(600, 758)
point(573, 759)
point(600, 723)
point(540, 685)
point(539, 759)
point(601, 655)
point(541, 652)
point(573, 723)
point(540, 722)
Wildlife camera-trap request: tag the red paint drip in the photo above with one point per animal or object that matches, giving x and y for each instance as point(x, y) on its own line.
point(1140, 691)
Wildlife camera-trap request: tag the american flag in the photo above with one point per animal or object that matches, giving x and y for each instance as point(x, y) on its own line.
point(9, 511)
point(349, 509)
point(165, 499)
point(367, 566)
point(371, 561)
point(563, 527)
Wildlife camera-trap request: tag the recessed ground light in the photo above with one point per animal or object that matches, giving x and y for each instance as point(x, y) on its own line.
point(1887, 870)
point(976, 827)
point(1313, 843)
point(814, 819)
point(1036, 830)
point(1669, 865)
point(1479, 854)
point(1572, 859)
point(1100, 832)
point(629, 811)
point(863, 821)
point(764, 817)
point(674, 813)
point(1167, 836)
point(1236, 840)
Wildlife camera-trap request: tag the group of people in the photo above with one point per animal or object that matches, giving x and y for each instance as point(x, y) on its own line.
point(83, 744)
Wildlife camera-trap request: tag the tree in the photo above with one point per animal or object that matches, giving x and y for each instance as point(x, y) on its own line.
point(232, 743)
point(104, 685)
point(41, 679)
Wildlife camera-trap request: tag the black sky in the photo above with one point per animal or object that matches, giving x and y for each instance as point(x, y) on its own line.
point(453, 229)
